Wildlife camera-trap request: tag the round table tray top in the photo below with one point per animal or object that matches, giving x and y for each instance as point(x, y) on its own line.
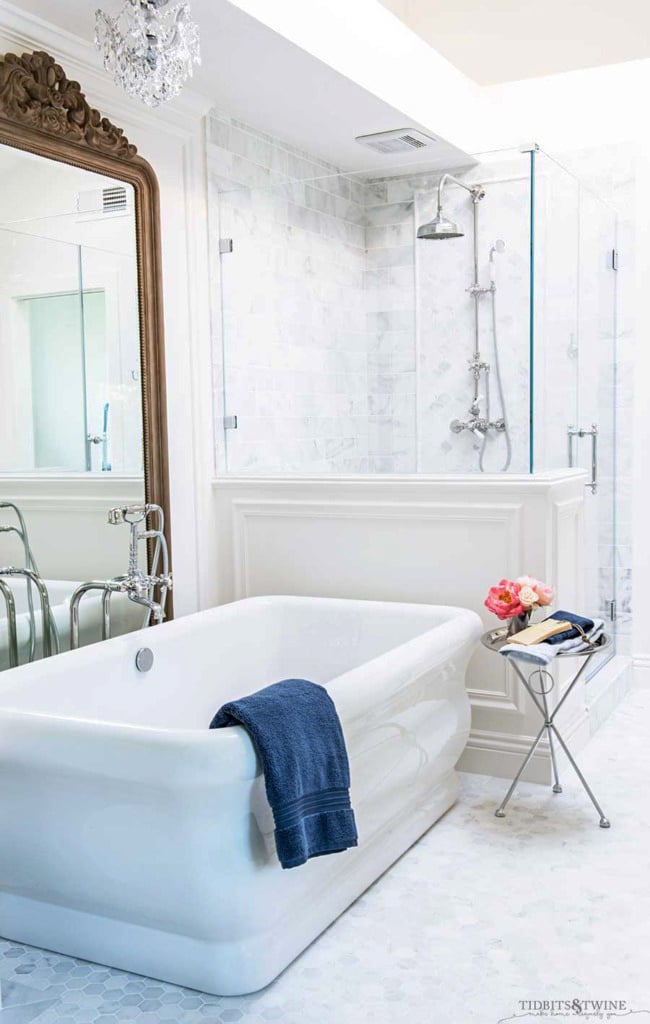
point(498, 637)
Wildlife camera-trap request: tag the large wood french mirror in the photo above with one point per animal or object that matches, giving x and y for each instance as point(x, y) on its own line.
point(83, 459)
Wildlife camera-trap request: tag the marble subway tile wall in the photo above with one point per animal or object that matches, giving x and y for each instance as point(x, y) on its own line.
point(291, 348)
point(389, 284)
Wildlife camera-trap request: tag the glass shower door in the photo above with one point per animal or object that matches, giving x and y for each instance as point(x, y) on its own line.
point(574, 340)
point(593, 447)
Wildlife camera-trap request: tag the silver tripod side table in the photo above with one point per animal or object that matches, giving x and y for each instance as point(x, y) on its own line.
point(494, 640)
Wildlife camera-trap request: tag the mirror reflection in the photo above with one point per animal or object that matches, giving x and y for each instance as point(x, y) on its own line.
point(71, 410)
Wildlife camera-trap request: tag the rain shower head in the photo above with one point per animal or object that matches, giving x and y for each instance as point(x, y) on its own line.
point(440, 228)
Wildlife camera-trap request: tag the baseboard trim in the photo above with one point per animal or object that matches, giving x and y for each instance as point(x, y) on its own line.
point(606, 690)
point(500, 754)
point(641, 667)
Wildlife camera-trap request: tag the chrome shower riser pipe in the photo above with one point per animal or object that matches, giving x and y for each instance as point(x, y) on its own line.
point(475, 286)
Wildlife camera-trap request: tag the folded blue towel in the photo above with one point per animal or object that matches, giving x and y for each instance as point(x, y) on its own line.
point(569, 634)
point(298, 737)
point(569, 640)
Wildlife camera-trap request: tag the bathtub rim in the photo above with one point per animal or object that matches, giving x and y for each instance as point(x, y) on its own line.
point(407, 661)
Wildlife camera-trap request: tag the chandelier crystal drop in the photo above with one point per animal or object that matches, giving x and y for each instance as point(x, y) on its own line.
point(149, 48)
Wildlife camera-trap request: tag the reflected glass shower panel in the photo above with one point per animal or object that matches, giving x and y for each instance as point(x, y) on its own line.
point(70, 358)
point(112, 343)
point(42, 345)
point(58, 381)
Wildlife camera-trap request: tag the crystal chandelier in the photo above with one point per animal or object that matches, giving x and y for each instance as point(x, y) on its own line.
point(149, 48)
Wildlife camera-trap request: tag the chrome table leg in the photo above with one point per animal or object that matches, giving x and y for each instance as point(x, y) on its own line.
point(604, 822)
point(557, 788)
point(501, 809)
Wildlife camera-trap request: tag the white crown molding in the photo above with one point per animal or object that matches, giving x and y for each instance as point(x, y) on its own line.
point(21, 31)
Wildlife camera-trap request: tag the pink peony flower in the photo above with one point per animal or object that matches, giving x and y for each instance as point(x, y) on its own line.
point(543, 591)
point(504, 601)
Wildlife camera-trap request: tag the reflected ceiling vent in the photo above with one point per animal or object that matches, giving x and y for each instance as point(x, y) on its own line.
point(404, 140)
point(103, 200)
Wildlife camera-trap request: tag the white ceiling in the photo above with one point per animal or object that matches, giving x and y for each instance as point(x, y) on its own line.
point(254, 74)
point(507, 40)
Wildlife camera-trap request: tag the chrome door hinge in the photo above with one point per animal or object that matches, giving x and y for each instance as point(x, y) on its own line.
point(225, 246)
point(611, 605)
point(615, 259)
point(230, 423)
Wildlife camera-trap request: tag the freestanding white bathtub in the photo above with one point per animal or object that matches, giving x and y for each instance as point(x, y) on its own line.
point(134, 836)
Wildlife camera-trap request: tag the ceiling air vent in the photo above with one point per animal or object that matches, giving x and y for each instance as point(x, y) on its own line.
point(103, 200)
point(404, 140)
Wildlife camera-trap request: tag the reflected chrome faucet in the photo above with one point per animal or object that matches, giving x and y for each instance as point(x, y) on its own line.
point(139, 586)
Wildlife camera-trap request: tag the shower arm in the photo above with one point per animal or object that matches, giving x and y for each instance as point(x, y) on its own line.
point(477, 192)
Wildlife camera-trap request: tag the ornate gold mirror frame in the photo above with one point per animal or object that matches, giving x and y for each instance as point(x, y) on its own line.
point(45, 113)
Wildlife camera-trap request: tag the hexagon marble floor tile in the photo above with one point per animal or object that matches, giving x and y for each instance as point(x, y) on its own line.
point(480, 918)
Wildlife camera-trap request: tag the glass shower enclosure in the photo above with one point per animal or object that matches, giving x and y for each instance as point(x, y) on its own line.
point(349, 345)
point(70, 358)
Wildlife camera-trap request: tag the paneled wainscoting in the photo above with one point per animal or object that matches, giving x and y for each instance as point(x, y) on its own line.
point(436, 540)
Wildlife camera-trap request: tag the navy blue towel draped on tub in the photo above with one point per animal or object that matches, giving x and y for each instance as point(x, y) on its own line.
point(297, 734)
